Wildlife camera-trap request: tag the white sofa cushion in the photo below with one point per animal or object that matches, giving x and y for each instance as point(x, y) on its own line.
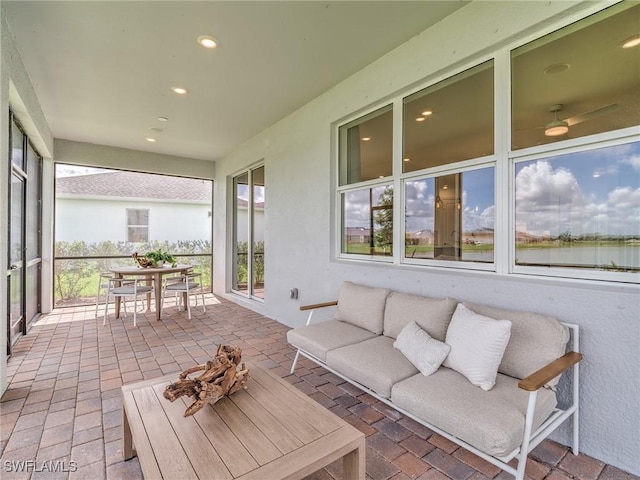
point(373, 363)
point(477, 345)
point(536, 340)
point(431, 314)
point(362, 306)
point(492, 421)
point(426, 353)
point(317, 339)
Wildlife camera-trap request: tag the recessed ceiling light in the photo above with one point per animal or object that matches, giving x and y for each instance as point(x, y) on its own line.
point(207, 41)
point(150, 139)
point(155, 129)
point(163, 119)
point(179, 90)
point(406, 160)
point(366, 139)
point(557, 68)
point(445, 187)
point(420, 119)
point(381, 176)
point(631, 41)
point(426, 113)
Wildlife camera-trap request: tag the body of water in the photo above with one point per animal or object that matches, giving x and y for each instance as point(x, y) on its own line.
point(588, 256)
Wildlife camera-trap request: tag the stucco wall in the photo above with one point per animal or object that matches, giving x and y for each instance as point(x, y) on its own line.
point(299, 167)
point(98, 220)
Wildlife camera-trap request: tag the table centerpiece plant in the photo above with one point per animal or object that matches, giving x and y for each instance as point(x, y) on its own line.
point(157, 258)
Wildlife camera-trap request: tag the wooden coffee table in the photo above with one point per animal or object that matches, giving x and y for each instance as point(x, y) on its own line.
point(270, 431)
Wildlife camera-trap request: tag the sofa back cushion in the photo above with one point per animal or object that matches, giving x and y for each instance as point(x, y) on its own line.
point(535, 340)
point(362, 306)
point(431, 314)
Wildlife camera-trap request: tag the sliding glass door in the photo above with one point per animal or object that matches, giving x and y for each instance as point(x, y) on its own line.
point(24, 253)
point(248, 233)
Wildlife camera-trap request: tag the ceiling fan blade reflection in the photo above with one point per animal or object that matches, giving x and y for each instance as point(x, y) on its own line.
point(592, 114)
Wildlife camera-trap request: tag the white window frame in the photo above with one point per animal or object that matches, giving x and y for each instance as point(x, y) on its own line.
point(460, 167)
point(549, 151)
point(250, 232)
point(503, 161)
point(127, 210)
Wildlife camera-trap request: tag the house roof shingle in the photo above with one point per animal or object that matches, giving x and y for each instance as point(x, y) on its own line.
point(135, 185)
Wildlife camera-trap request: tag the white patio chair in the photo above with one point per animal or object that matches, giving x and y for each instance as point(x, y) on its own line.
point(123, 288)
point(103, 285)
point(184, 284)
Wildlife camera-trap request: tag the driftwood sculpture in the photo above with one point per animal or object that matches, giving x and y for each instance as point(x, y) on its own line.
point(221, 377)
point(142, 261)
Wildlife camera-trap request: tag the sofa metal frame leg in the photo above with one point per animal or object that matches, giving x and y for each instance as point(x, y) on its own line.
point(295, 361)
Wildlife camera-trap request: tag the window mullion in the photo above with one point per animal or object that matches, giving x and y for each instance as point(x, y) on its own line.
point(250, 212)
point(398, 190)
point(503, 223)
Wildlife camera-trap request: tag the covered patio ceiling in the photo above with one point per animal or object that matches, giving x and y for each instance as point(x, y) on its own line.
point(103, 71)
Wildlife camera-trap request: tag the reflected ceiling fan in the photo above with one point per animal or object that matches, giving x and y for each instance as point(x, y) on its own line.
point(558, 127)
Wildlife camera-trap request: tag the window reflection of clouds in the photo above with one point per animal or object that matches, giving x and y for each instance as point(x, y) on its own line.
point(258, 193)
point(477, 201)
point(357, 207)
point(594, 192)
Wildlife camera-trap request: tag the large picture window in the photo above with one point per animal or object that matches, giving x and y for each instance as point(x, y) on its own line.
point(580, 210)
point(576, 172)
point(530, 168)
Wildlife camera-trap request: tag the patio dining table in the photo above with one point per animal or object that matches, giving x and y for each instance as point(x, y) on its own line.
point(154, 273)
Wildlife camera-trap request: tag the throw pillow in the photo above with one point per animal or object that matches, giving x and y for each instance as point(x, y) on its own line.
point(477, 346)
point(423, 351)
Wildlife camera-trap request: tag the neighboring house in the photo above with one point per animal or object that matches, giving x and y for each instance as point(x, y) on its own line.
point(132, 207)
point(421, 237)
point(358, 235)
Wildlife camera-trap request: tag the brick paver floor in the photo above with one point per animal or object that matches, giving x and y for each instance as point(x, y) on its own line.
point(61, 416)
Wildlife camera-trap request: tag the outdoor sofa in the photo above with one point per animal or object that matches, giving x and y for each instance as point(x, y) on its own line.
point(483, 377)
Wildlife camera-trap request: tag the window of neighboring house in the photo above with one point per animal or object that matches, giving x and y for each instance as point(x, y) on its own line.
point(137, 225)
point(576, 161)
point(248, 233)
point(366, 195)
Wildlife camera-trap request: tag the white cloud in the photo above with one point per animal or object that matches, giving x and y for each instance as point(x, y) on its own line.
point(633, 160)
point(550, 202)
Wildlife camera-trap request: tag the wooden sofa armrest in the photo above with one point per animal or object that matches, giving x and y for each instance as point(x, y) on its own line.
point(539, 378)
point(318, 305)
